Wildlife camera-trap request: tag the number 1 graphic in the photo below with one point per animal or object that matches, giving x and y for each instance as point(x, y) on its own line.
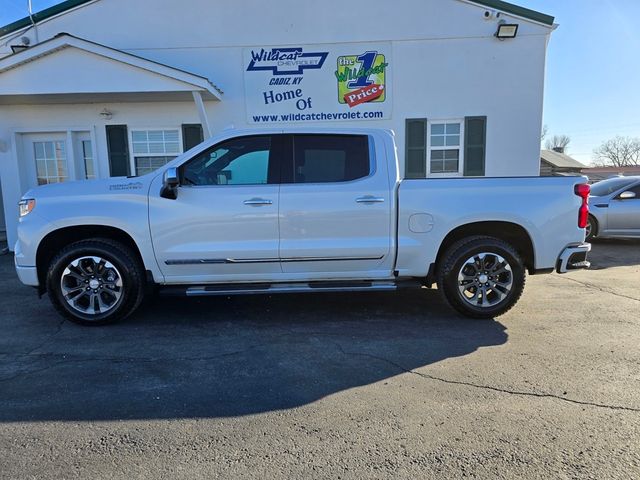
point(366, 59)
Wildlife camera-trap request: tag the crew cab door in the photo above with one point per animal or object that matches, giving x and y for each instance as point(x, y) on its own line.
point(335, 208)
point(223, 225)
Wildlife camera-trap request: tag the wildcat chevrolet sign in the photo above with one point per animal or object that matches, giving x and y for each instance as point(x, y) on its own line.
point(285, 61)
point(327, 83)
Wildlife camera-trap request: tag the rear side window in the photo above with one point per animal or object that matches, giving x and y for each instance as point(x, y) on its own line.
point(330, 158)
point(607, 187)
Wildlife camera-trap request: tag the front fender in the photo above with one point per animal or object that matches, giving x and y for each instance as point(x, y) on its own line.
point(125, 212)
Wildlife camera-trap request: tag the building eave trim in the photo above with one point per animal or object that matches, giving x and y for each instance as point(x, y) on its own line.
point(71, 4)
point(517, 10)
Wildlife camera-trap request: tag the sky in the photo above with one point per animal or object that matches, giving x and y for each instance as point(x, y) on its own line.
point(592, 88)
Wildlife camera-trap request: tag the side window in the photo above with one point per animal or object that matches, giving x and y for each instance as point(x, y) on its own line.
point(635, 190)
point(330, 158)
point(239, 161)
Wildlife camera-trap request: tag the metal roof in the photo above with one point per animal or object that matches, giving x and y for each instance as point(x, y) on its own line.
point(69, 4)
point(560, 160)
point(42, 15)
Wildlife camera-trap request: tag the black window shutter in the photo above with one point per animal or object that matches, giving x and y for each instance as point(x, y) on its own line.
point(191, 135)
point(415, 159)
point(118, 149)
point(475, 146)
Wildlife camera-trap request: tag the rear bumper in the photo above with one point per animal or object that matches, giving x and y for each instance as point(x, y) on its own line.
point(573, 258)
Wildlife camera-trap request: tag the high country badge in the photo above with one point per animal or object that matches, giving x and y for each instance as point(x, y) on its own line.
point(361, 78)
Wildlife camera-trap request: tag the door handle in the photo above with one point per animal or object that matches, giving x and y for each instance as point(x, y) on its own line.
point(369, 199)
point(258, 201)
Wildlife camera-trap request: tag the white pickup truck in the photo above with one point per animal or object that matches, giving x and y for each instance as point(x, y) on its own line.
point(302, 210)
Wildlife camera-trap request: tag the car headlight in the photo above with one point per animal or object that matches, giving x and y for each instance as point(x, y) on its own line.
point(26, 206)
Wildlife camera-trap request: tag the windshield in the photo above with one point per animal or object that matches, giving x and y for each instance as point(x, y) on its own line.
point(606, 187)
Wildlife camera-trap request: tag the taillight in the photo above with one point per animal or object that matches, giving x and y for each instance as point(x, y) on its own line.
point(583, 192)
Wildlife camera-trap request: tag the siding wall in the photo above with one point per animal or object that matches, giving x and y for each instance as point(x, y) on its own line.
point(445, 64)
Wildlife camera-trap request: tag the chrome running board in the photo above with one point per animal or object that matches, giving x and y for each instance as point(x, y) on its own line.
point(262, 289)
point(293, 287)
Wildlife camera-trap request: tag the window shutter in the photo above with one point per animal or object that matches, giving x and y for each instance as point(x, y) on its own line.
point(415, 159)
point(118, 150)
point(191, 135)
point(475, 146)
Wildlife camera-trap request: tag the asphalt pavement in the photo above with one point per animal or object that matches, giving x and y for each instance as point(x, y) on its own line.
point(345, 386)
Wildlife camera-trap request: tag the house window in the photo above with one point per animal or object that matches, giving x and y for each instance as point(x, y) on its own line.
point(51, 161)
point(87, 155)
point(445, 148)
point(153, 149)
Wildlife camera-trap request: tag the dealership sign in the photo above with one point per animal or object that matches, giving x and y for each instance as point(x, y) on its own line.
point(327, 83)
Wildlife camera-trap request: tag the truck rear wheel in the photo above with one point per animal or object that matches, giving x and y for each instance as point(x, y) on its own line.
point(481, 277)
point(95, 282)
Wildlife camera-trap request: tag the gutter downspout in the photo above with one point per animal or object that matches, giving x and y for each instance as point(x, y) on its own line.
point(33, 23)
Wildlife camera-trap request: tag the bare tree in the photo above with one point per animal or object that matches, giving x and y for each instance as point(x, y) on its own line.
point(559, 143)
point(545, 132)
point(618, 152)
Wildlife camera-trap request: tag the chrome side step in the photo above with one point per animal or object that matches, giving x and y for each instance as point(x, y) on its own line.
point(248, 289)
point(294, 287)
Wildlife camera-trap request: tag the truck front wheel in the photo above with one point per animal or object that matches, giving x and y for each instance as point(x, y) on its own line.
point(481, 277)
point(95, 282)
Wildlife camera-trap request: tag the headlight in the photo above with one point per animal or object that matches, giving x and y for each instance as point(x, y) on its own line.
point(26, 206)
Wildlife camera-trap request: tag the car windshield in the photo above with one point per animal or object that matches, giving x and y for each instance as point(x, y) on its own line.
point(606, 187)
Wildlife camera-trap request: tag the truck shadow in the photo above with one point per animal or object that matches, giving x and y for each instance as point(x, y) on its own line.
point(614, 252)
point(220, 357)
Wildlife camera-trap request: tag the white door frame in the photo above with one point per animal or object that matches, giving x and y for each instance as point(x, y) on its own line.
point(78, 138)
point(29, 170)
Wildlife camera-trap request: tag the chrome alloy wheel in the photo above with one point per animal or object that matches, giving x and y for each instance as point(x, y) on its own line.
point(588, 229)
point(91, 285)
point(485, 279)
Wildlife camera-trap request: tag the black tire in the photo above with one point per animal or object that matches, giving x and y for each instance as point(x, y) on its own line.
point(126, 267)
point(592, 228)
point(455, 262)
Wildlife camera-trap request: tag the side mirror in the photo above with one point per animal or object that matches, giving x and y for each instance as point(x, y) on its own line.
point(170, 184)
point(627, 195)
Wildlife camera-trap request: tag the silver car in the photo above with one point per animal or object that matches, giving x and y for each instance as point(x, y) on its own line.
point(614, 208)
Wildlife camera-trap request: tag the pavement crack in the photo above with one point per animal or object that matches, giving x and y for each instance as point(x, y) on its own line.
point(489, 387)
point(30, 372)
point(64, 358)
point(601, 289)
point(49, 338)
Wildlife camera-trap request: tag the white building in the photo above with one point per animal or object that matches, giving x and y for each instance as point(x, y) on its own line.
point(98, 88)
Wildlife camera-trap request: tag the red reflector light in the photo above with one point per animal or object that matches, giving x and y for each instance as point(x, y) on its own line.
point(583, 192)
